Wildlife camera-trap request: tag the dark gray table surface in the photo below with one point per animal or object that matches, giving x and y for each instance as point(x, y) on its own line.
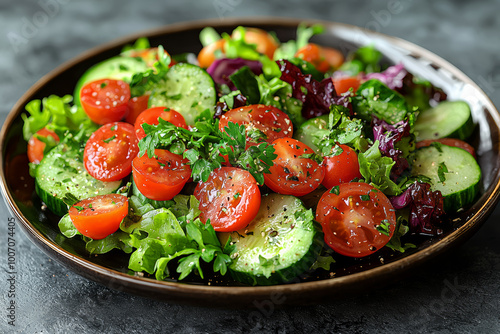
point(458, 292)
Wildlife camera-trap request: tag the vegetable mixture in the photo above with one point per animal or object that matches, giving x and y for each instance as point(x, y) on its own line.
point(262, 159)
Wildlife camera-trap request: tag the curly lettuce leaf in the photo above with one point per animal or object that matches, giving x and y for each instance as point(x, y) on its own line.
point(54, 112)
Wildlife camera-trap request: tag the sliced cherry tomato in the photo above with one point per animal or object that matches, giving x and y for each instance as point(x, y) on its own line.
point(271, 121)
point(110, 150)
point(266, 44)
point(343, 84)
point(230, 199)
point(292, 174)
point(449, 142)
point(357, 219)
point(341, 168)
point(161, 177)
point(36, 146)
point(208, 54)
point(333, 56)
point(105, 100)
point(323, 58)
point(151, 116)
point(136, 105)
point(97, 217)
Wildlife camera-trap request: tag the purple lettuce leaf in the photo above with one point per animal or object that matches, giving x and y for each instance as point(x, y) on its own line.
point(318, 95)
point(221, 69)
point(393, 76)
point(388, 135)
point(426, 208)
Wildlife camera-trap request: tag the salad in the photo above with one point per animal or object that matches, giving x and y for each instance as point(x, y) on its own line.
point(257, 159)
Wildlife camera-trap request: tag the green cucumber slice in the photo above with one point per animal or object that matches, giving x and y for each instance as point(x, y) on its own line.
point(60, 172)
point(460, 184)
point(281, 243)
point(448, 119)
point(118, 68)
point(188, 89)
point(311, 130)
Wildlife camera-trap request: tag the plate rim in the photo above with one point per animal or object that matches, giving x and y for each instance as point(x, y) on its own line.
point(179, 290)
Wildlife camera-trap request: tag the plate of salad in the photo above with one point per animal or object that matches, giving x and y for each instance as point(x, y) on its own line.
point(229, 162)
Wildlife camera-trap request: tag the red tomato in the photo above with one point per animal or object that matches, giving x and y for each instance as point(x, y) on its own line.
point(323, 58)
point(97, 217)
point(36, 146)
point(161, 177)
point(230, 199)
point(151, 116)
point(350, 215)
point(292, 174)
point(333, 56)
point(273, 122)
point(342, 85)
point(136, 105)
point(341, 168)
point(109, 151)
point(449, 142)
point(208, 54)
point(266, 44)
point(105, 100)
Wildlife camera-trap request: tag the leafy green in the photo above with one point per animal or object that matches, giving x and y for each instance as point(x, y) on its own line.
point(246, 82)
point(204, 146)
point(144, 82)
point(376, 170)
point(375, 98)
point(365, 59)
point(142, 43)
point(208, 36)
point(395, 242)
point(304, 33)
point(54, 112)
point(442, 169)
point(237, 47)
point(341, 129)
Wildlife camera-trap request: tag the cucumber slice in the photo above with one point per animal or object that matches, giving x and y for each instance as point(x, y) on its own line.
point(461, 183)
point(60, 172)
point(281, 243)
point(118, 68)
point(447, 119)
point(312, 130)
point(188, 89)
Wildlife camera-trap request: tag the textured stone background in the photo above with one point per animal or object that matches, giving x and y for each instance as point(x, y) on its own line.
point(456, 293)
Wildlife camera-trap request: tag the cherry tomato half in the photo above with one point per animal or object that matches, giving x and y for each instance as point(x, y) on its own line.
point(292, 174)
point(161, 177)
point(266, 44)
point(230, 199)
point(136, 105)
point(341, 168)
point(208, 54)
point(151, 116)
point(105, 100)
point(97, 217)
point(449, 142)
point(323, 58)
point(342, 85)
point(110, 150)
point(271, 121)
point(36, 146)
point(357, 219)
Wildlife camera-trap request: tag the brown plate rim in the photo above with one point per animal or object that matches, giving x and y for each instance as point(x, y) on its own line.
point(178, 291)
